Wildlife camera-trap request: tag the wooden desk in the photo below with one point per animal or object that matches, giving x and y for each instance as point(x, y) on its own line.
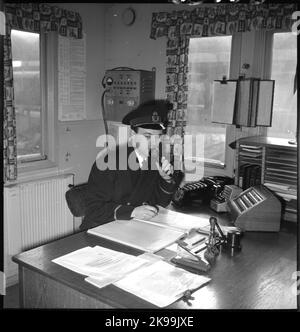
point(259, 277)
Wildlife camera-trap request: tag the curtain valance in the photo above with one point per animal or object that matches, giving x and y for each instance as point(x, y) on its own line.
point(36, 17)
point(222, 20)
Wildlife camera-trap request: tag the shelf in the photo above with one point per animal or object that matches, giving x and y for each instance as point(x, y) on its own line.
point(277, 160)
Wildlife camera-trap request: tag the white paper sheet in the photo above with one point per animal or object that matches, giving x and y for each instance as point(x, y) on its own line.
point(71, 78)
point(138, 234)
point(223, 102)
point(180, 221)
point(105, 280)
point(161, 283)
point(265, 103)
point(100, 263)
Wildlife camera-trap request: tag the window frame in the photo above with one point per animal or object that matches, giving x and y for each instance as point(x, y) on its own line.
point(48, 66)
point(234, 69)
point(269, 60)
point(43, 155)
point(256, 49)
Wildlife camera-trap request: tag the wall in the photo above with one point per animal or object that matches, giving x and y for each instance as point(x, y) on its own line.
point(77, 139)
point(109, 44)
point(131, 46)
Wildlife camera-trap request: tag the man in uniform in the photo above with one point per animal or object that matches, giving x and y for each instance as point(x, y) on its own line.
point(133, 191)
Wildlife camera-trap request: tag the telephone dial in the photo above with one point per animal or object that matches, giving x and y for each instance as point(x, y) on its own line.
point(204, 190)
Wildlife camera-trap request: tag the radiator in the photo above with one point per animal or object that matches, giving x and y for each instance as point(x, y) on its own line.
point(35, 213)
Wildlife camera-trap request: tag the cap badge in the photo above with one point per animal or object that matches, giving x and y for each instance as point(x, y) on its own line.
point(155, 117)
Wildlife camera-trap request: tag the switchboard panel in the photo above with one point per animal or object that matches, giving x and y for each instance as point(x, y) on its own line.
point(125, 90)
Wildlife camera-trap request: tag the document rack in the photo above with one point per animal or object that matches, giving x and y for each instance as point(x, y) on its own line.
point(244, 102)
point(256, 209)
point(272, 162)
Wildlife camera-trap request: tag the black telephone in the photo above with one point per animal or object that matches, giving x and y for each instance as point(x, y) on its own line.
point(204, 190)
point(160, 152)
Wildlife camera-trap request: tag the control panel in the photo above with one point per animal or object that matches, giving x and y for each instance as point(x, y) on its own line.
point(125, 90)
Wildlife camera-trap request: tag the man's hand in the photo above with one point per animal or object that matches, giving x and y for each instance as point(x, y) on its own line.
point(165, 170)
point(145, 212)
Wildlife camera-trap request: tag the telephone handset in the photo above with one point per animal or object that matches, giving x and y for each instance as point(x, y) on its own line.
point(204, 190)
point(159, 153)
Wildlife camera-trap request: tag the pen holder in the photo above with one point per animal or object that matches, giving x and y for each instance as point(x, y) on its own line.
point(232, 243)
point(211, 252)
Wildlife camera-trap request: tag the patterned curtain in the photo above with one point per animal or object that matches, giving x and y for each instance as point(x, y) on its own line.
point(9, 121)
point(205, 21)
point(32, 18)
point(223, 19)
point(176, 90)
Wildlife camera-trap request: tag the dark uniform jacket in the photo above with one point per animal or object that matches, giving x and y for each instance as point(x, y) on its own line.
point(113, 194)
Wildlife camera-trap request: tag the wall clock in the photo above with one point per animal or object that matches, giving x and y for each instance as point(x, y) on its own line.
point(128, 16)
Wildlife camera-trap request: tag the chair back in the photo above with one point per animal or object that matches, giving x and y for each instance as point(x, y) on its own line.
point(76, 198)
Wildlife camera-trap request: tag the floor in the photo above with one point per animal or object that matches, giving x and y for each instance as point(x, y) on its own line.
point(11, 299)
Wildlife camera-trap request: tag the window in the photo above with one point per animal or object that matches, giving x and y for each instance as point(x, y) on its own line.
point(284, 63)
point(209, 59)
point(28, 95)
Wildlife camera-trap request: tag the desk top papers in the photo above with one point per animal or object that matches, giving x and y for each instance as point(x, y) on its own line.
point(104, 265)
point(146, 276)
point(154, 234)
point(180, 221)
point(138, 234)
point(161, 283)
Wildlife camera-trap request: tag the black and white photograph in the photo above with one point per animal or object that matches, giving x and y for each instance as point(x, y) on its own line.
point(150, 158)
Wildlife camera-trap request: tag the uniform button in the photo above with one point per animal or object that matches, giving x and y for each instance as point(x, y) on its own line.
point(128, 203)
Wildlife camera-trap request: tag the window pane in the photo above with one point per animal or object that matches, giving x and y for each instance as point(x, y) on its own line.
point(283, 72)
point(209, 59)
point(26, 71)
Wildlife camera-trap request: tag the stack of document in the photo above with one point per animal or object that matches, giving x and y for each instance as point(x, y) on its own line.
point(285, 191)
point(146, 257)
point(161, 283)
point(146, 276)
point(104, 265)
point(151, 235)
point(138, 234)
point(180, 221)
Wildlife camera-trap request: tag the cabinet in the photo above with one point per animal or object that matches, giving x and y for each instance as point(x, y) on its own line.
point(272, 162)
